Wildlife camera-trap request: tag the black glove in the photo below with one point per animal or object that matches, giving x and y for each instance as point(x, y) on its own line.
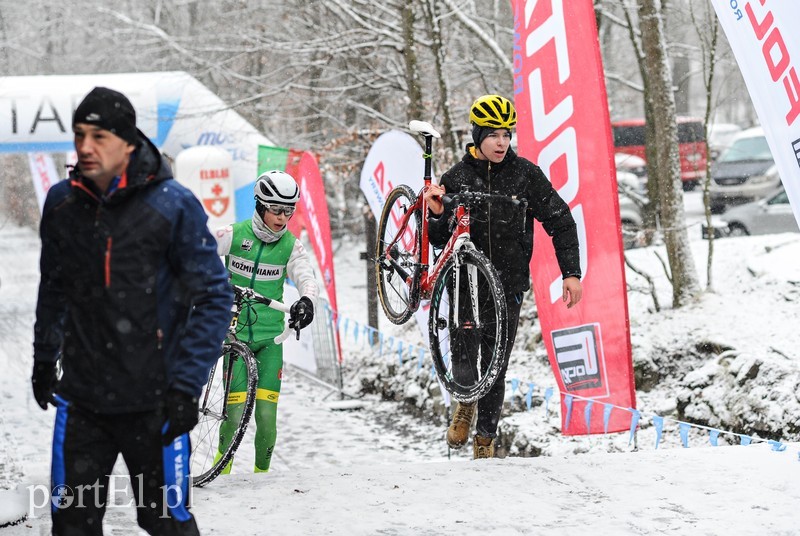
point(301, 313)
point(44, 380)
point(182, 413)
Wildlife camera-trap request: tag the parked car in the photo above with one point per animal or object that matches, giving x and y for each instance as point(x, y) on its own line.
point(745, 172)
point(629, 138)
point(773, 214)
point(631, 163)
point(720, 137)
point(631, 201)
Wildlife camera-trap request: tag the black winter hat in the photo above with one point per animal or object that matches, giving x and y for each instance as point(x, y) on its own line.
point(479, 134)
point(110, 110)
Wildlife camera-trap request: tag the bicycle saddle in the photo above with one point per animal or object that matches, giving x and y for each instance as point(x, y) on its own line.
point(423, 127)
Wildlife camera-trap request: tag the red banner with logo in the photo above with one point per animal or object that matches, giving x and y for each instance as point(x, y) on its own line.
point(564, 127)
point(312, 215)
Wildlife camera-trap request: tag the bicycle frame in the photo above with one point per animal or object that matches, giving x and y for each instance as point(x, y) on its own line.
point(459, 239)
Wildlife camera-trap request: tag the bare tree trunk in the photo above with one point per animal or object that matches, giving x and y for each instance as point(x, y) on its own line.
point(682, 82)
point(371, 239)
point(437, 48)
point(413, 90)
point(708, 34)
point(662, 103)
point(653, 171)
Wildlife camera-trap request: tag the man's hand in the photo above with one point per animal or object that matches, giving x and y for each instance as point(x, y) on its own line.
point(301, 313)
point(182, 414)
point(44, 380)
point(572, 291)
point(433, 196)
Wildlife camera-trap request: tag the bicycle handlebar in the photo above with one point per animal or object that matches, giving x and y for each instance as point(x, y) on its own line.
point(468, 198)
point(250, 294)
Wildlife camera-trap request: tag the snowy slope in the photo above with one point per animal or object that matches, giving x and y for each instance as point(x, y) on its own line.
point(378, 471)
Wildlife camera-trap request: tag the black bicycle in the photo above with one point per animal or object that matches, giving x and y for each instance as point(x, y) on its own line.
point(207, 460)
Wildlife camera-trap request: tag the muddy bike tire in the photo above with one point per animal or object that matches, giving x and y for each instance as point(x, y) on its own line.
point(213, 410)
point(397, 271)
point(487, 335)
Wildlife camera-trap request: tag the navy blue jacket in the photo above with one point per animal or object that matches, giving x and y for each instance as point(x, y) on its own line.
point(501, 231)
point(133, 296)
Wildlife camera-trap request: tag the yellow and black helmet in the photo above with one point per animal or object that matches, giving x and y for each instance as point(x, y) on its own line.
point(493, 111)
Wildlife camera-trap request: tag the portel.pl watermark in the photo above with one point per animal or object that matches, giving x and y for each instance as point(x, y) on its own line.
point(117, 494)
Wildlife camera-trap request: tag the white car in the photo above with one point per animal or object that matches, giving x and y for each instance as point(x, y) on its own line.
point(631, 201)
point(632, 164)
point(720, 137)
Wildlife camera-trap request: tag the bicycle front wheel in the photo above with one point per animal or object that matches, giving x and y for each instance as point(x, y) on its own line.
point(212, 445)
point(468, 325)
point(397, 250)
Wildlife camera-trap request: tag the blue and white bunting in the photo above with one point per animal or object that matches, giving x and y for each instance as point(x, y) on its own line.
point(568, 402)
point(683, 429)
point(587, 415)
point(635, 416)
point(343, 325)
point(658, 423)
point(606, 416)
point(529, 396)
point(548, 394)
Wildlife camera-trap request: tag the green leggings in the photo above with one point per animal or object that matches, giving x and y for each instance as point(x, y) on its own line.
point(270, 365)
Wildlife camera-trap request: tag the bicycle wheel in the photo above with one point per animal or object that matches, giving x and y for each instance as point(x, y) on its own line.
point(207, 460)
point(397, 269)
point(468, 325)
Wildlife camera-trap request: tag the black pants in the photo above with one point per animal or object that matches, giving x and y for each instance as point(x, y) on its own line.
point(85, 448)
point(465, 356)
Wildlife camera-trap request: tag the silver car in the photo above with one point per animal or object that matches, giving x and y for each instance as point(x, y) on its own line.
point(773, 214)
point(745, 172)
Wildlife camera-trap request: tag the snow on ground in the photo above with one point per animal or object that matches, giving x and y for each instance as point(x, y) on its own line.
point(376, 470)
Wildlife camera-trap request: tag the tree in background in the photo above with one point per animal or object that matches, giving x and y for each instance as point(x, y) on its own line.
point(330, 76)
point(661, 103)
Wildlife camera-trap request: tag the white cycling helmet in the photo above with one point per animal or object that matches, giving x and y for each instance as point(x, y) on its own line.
point(276, 188)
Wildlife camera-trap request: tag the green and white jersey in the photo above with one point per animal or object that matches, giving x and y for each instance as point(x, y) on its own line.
point(264, 267)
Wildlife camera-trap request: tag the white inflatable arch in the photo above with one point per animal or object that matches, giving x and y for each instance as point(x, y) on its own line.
point(173, 109)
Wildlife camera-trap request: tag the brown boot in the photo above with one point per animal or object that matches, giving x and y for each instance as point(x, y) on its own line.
point(458, 432)
point(482, 447)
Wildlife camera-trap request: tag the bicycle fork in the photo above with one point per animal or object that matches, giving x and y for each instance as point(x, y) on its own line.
point(472, 289)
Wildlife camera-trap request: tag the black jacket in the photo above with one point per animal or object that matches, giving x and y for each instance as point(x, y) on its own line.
point(133, 296)
point(501, 231)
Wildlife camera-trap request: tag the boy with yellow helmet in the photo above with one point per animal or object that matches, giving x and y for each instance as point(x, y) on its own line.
point(505, 236)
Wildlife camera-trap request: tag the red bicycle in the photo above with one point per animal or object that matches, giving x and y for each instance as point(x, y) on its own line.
point(467, 321)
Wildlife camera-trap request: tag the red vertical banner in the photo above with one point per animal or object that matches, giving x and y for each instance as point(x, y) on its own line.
point(312, 215)
point(564, 127)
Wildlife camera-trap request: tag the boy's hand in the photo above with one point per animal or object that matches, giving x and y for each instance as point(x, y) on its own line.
point(301, 313)
point(433, 196)
point(572, 291)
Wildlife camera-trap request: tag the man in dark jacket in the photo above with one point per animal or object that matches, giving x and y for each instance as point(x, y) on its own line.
point(504, 234)
point(135, 303)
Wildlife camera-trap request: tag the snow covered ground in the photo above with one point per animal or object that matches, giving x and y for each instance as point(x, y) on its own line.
point(378, 470)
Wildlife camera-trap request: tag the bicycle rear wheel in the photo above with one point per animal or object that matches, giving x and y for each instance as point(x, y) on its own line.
point(468, 325)
point(397, 267)
point(207, 459)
